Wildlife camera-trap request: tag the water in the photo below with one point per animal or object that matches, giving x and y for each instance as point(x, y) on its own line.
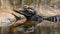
point(5, 30)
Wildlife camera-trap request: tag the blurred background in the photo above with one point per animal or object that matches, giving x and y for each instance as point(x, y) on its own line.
point(45, 7)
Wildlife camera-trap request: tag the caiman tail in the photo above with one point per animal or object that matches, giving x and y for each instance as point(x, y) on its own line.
point(55, 18)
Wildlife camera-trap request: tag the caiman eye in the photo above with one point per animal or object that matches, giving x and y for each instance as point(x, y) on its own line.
point(20, 9)
point(30, 10)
